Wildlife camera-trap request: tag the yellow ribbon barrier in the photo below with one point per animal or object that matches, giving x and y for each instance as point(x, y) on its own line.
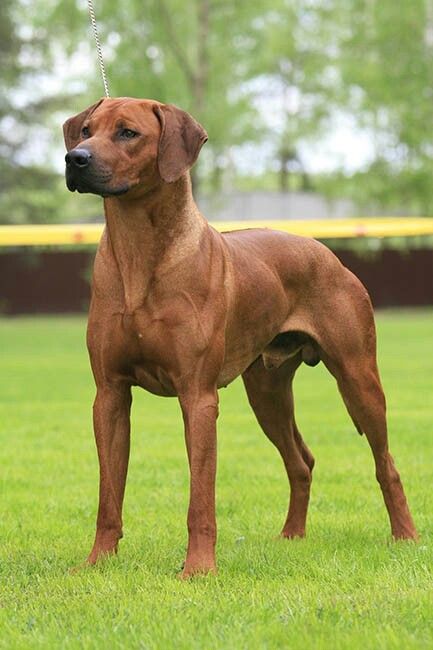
point(73, 234)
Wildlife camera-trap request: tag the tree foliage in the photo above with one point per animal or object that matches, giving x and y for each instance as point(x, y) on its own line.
point(385, 62)
point(267, 74)
point(22, 186)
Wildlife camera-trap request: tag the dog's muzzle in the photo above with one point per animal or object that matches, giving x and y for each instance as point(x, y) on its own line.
point(83, 175)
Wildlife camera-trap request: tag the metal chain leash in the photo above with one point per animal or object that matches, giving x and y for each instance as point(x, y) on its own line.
point(98, 46)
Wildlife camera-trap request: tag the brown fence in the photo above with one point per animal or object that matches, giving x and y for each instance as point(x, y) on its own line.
point(59, 281)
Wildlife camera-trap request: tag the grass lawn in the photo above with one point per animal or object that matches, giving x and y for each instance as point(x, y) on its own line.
point(345, 586)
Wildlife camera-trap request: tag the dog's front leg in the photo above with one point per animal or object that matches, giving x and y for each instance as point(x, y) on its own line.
point(200, 412)
point(112, 426)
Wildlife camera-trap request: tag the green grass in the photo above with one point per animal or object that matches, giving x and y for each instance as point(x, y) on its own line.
point(345, 586)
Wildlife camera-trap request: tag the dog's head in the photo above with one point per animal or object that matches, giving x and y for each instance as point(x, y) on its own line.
point(116, 145)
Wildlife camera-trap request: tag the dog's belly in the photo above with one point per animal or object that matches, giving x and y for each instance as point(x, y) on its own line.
point(230, 373)
point(237, 363)
point(257, 309)
point(244, 343)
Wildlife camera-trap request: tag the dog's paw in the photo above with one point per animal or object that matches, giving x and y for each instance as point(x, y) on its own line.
point(190, 572)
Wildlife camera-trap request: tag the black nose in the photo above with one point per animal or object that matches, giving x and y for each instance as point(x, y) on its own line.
point(78, 157)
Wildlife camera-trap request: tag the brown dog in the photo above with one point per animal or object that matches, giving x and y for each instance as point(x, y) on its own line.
point(182, 310)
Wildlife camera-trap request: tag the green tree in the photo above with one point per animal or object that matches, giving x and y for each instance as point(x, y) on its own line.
point(386, 64)
point(24, 186)
point(297, 69)
point(193, 53)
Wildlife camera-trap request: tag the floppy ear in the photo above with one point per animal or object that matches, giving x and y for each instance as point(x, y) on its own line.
point(72, 127)
point(179, 143)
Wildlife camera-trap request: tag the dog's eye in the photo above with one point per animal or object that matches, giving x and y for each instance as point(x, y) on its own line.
point(85, 132)
point(128, 134)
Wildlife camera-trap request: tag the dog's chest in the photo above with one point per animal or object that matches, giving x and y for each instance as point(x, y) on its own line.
point(156, 342)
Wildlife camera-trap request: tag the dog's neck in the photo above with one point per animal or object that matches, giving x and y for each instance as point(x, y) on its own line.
point(159, 229)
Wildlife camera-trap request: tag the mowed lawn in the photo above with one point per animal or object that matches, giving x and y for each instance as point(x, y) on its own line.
point(345, 586)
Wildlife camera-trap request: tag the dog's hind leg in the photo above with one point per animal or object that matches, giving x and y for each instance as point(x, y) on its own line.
point(305, 452)
point(271, 398)
point(351, 358)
